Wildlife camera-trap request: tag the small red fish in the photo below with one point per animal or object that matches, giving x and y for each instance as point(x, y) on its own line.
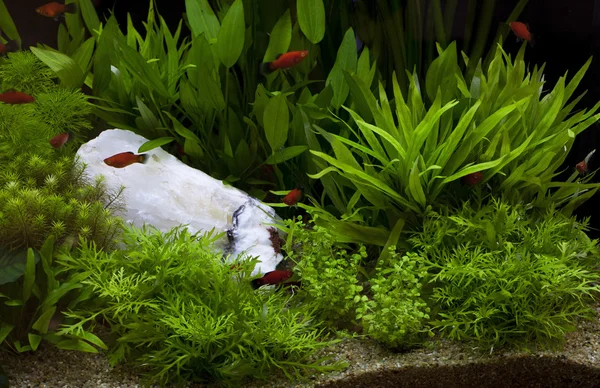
point(292, 197)
point(582, 167)
point(9, 47)
point(60, 139)
point(124, 159)
point(273, 277)
point(284, 61)
point(473, 178)
point(521, 30)
point(56, 9)
point(14, 97)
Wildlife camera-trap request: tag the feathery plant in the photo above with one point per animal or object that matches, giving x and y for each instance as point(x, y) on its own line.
point(181, 314)
point(403, 161)
point(506, 274)
point(26, 73)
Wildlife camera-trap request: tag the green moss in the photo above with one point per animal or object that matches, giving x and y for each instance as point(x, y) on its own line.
point(63, 110)
point(39, 197)
point(26, 73)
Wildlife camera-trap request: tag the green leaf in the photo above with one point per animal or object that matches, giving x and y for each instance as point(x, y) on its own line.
point(41, 324)
point(280, 38)
point(5, 330)
point(202, 19)
point(311, 17)
point(83, 55)
point(143, 71)
point(90, 16)
point(230, 41)
point(149, 120)
point(392, 240)
point(285, 154)
point(7, 25)
point(90, 337)
point(190, 147)
point(74, 344)
point(34, 340)
point(346, 59)
point(13, 264)
point(181, 130)
point(276, 122)
point(69, 72)
point(29, 278)
point(152, 144)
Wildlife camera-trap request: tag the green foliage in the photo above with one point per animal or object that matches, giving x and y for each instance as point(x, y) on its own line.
point(396, 314)
point(503, 275)
point(26, 73)
point(64, 110)
point(328, 273)
point(180, 313)
point(502, 126)
point(41, 197)
point(32, 299)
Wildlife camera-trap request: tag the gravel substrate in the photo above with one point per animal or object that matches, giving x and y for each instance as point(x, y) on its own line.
point(441, 364)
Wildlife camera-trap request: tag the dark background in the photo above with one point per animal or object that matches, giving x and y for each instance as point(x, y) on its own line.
point(566, 34)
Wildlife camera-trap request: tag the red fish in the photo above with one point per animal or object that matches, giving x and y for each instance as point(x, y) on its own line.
point(582, 167)
point(180, 150)
point(124, 159)
point(521, 30)
point(273, 277)
point(14, 97)
point(9, 47)
point(473, 178)
point(56, 9)
point(284, 61)
point(292, 197)
point(60, 139)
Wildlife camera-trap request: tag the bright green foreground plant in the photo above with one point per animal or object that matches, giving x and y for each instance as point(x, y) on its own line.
point(503, 275)
point(398, 159)
point(178, 310)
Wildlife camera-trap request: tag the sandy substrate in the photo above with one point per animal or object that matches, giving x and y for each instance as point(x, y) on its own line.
point(443, 364)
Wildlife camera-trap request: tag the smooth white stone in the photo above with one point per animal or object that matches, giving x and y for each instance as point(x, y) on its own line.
point(165, 193)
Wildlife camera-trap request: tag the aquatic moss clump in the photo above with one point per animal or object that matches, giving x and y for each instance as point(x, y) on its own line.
point(41, 197)
point(63, 110)
point(504, 275)
point(26, 73)
point(21, 131)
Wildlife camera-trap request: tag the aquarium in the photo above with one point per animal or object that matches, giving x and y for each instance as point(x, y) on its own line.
point(257, 193)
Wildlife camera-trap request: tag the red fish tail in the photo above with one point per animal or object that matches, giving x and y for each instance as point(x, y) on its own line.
point(256, 283)
point(70, 8)
point(265, 68)
point(144, 158)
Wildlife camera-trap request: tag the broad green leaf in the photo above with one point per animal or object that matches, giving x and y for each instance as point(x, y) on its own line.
point(346, 59)
point(29, 278)
point(230, 41)
point(149, 120)
point(276, 122)
point(311, 17)
point(74, 344)
point(90, 337)
point(41, 324)
point(192, 148)
point(5, 330)
point(285, 154)
point(13, 264)
point(152, 144)
point(393, 240)
point(34, 340)
point(7, 25)
point(415, 187)
point(90, 16)
point(141, 69)
point(280, 38)
point(202, 19)
point(69, 72)
point(181, 130)
point(83, 54)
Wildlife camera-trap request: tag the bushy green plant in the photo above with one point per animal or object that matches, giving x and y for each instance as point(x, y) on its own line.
point(63, 110)
point(41, 197)
point(26, 73)
point(33, 295)
point(328, 273)
point(181, 313)
point(396, 314)
point(506, 275)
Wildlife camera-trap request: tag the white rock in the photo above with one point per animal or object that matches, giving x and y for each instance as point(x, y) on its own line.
point(165, 193)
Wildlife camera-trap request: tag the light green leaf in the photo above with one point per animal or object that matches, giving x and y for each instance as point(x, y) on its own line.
point(311, 17)
point(346, 59)
point(5, 330)
point(280, 38)
point(41, 324)
point(276, 122)
point(73, 344)
point(202, 19)
point(90, 16)
point(230, 41)
point(34, 340)
point(285, 154)
point(69, 72)
point(7, 25)
point(152, 144)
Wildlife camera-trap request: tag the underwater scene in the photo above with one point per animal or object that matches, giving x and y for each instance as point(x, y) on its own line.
point(299, 193)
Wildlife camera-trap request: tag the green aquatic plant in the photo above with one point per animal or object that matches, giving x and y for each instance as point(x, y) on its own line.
point(33, 294)
point(64, 110)
point(40, 197)
point(26, 73)
point(507, 275)
point(180, 313)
